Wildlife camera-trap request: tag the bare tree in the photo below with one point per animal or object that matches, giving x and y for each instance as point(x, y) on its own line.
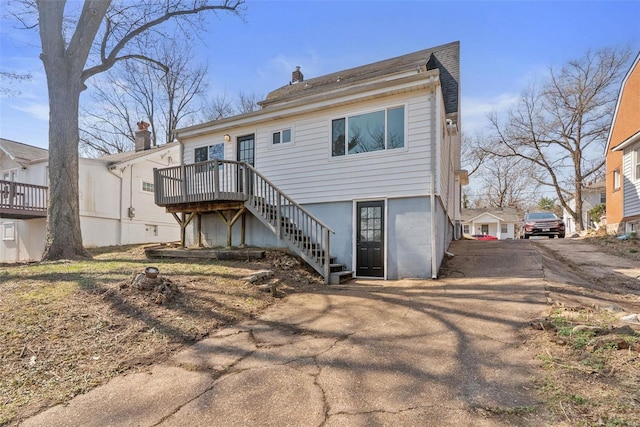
point(12, 77)
point(248, 102)
point(164, 96)
point(115, 32)
point(221, 106)
point(508, 182)
point(561, 127)
point(498, 181)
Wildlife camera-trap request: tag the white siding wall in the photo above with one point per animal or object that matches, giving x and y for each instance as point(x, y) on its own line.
point(105, 202)
point(305, 170)
point(27, 243)
point(631, 203)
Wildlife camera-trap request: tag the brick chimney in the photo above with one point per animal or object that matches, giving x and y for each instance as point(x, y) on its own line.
point(296, 76)
point(143, 136)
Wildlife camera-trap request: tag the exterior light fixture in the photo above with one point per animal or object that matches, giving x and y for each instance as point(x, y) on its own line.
point(227, 137)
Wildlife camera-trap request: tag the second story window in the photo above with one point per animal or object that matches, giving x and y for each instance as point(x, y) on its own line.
point(281, 137)
point(362, 133)
point(616, 179)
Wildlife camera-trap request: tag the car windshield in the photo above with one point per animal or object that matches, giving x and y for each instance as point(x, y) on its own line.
point(541, 215)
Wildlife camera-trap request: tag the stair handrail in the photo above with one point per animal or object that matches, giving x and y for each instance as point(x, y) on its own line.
point(289, 199)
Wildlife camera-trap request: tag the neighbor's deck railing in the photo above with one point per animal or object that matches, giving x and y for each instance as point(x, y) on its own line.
point(23, 199)
point(227, 180)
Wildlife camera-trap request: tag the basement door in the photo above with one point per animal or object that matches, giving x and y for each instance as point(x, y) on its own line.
point(370, 239)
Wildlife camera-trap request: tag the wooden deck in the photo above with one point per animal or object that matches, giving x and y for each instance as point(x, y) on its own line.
point(232, 190)
point(22, 201)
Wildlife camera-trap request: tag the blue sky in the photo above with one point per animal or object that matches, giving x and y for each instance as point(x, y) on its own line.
point(504, 47)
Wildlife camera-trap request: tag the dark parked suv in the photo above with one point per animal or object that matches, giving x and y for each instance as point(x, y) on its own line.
point(542, 224)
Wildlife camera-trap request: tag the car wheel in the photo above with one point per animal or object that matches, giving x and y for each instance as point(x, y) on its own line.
point(561, 236)
point(526, 236)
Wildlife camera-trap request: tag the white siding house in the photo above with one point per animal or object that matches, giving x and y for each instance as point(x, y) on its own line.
point(372, 153)
point(592, 195)
point(116, 200)
point(631, 182)
point(501, 223)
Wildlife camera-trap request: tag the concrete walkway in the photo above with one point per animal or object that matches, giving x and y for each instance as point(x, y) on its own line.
point(444, 352)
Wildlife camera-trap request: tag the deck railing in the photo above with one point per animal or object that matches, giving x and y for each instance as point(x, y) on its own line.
point(199, 182)
point(227, 180)
point(20, 198)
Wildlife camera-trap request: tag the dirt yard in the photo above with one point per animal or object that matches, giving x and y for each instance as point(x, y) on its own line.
point(590, 355)
point(67, 327)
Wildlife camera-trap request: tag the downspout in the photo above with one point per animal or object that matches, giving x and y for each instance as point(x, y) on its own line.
point(119, 176)
point(432, 187)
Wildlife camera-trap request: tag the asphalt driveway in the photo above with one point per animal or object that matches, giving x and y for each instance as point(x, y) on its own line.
point(409, 352)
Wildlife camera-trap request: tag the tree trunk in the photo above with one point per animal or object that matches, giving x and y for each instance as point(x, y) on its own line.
point(64, 237)
point(64, 81)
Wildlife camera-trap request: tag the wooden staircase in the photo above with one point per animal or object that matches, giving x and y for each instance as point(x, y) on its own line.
point(220, 185)
point(303, 233)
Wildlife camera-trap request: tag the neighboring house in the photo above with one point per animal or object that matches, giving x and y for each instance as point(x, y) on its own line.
point(502, 223)
point(623, 157)
point(592, 195)
point(116, 199)
point(356, 170)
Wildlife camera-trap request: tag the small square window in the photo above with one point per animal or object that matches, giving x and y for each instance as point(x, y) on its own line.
point(286, 136)
point(147, 187)
point(281, 136)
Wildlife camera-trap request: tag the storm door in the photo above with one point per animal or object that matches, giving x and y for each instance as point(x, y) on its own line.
point(246, 153)
point(370, 239)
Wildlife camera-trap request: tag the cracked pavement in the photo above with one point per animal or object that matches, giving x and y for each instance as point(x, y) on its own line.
point(408, 352)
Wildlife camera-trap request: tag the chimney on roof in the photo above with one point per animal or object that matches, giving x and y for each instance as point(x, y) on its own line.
point(143, 136)
point(296, 76)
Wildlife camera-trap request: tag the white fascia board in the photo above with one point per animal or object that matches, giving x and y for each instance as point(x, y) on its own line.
point(485, 213)
point(615, 112)
point(627, 142)
point(318, 102)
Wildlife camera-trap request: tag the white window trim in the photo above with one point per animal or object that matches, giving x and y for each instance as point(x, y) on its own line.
point(282, 144)
point(635, 164)
point(10, 172)
point(146, 181)
point(386, 151)
point(9, 231)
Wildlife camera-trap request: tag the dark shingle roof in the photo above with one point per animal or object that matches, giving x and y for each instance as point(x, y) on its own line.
point(446, 58)
point(23, 153)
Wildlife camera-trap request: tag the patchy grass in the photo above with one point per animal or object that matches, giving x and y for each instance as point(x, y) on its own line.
point(67, 327)
point(592, 367)
point(629, 248)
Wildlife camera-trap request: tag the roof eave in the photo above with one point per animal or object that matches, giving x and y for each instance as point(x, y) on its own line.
point(627, 142)
point(318, 101)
